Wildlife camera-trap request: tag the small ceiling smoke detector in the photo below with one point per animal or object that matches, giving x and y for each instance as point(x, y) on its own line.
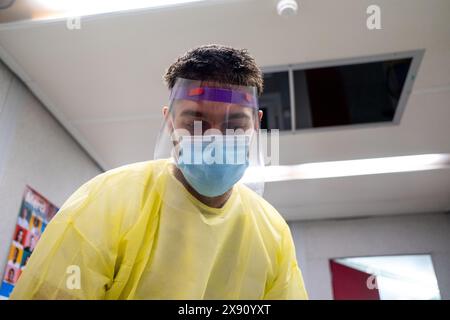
point(287, 7)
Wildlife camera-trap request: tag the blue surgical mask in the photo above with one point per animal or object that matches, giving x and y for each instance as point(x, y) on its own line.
point(213, 164)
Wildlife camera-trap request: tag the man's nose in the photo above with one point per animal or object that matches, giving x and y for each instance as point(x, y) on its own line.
point(215, 126)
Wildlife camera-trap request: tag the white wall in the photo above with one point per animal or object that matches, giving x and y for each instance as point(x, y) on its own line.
point(34, 150)
point(318, 241)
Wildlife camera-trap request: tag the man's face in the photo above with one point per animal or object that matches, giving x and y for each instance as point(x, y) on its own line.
point(211, 115)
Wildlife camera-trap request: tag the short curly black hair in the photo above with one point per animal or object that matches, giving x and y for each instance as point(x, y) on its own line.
point(216, 63)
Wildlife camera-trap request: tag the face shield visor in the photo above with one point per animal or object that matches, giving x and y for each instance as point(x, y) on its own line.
point(210, 132)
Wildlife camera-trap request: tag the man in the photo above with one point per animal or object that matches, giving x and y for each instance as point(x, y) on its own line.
point(182, 226)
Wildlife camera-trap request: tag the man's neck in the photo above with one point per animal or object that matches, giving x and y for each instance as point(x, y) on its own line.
point(214, 202)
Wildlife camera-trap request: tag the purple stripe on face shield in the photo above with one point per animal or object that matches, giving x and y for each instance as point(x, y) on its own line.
point(216, 94)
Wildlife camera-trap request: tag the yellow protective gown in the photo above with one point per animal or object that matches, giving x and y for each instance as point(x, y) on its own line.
point(135, 232)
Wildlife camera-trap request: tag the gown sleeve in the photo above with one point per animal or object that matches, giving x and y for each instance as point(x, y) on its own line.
point(288, 283)
point(72, 260)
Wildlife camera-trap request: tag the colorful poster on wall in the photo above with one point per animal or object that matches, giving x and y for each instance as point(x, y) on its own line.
point(34, 214)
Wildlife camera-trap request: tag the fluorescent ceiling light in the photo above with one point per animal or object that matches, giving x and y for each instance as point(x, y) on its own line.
point(76, 8)
point(346, 168)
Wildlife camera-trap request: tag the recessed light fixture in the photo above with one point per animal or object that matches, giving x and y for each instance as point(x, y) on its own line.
point(67, 8)
point(347, 168)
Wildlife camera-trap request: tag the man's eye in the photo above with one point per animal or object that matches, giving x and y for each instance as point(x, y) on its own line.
point(190, 124)
point(237, 125)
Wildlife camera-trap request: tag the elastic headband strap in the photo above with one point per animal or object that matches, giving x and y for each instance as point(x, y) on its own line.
point(216, 94)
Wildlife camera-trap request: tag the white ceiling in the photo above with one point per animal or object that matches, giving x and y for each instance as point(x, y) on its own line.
point(104, 83)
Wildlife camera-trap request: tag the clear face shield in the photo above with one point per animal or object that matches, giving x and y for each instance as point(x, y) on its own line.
point(211, 133)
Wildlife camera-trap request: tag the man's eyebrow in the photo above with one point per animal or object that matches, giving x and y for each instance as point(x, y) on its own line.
point(238, 115)
point(191, 113)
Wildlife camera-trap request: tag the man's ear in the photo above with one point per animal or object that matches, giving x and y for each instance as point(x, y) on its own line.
point(260, 114)
point(165, 111)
